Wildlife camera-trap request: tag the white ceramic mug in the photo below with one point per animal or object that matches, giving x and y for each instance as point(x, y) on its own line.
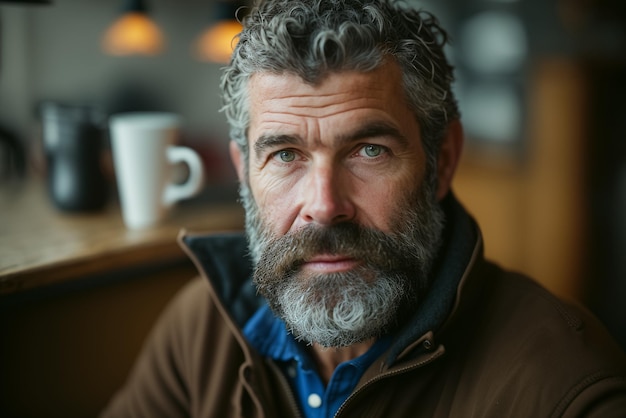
point(144, 156)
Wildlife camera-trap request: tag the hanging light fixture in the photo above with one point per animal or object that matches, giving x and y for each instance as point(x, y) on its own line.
point(217, 42)
point(134, 33)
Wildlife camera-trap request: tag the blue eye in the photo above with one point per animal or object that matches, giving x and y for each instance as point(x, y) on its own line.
point(372, 150)
point(286, 156)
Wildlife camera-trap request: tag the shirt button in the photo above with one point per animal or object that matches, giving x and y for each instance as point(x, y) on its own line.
point(314, 400)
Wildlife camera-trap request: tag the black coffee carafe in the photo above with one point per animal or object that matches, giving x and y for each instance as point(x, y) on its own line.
point(73, 145)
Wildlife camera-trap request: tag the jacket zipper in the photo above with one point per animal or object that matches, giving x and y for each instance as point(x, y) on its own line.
point(372, 381)
point(286, 387)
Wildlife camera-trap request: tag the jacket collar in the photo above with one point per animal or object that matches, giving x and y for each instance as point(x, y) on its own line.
point(224, 260)
point(461, 250)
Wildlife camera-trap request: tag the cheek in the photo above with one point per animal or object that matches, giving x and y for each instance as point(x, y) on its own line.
point(380, 200)
point(276, 201)
point(376, 207)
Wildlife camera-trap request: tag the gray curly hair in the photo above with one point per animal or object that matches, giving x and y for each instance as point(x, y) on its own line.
point(311, 38)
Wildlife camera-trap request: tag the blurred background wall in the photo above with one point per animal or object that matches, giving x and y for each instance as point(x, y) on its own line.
point(540, 83)
point(55, 52)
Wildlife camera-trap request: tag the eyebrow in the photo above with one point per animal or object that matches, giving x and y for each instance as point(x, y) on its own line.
point(272, 141)
point(371, 130)
point(375, 130)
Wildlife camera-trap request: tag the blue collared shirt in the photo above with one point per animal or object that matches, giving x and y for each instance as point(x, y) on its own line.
point(269, 336)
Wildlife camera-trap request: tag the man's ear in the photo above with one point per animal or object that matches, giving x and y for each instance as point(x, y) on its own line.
point(449, 156)
point(237, 158)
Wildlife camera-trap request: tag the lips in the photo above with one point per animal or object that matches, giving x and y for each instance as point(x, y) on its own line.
point(327, 263)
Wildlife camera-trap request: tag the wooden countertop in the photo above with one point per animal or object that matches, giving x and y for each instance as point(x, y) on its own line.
point(40, 245)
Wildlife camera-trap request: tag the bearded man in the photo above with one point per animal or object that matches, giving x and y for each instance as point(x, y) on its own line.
point(361, 290)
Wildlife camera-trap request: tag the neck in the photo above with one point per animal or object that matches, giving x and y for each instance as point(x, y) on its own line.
point(327, 359)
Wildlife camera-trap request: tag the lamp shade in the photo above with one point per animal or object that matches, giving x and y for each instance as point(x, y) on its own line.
point(217, 43)
point(134, 33)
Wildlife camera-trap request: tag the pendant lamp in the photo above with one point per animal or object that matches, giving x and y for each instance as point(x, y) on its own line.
point(217, 42)
point(134, 33)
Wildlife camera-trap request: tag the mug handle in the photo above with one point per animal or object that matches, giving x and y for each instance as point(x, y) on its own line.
point(175, 192)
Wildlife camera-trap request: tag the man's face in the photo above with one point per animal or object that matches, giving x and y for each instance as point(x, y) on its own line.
point(342, 224)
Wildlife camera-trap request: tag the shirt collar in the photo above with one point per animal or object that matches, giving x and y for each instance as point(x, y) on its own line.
point(269, 336)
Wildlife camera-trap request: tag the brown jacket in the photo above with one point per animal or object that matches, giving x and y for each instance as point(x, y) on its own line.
point(486, 343)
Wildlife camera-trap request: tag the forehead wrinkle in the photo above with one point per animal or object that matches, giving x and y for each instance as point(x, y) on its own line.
point(325, 103)
point(279, 106)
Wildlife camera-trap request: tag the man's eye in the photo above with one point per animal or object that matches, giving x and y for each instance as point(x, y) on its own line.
point(372, 150)
point(285, 156)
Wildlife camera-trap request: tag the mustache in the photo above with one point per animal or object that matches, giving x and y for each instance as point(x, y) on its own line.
point(285, 254)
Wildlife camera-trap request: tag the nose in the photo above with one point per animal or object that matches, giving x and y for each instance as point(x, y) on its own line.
point(326, 197)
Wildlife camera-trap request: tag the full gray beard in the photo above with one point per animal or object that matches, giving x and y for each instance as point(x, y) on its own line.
point(344, 308)
point(340, 309)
